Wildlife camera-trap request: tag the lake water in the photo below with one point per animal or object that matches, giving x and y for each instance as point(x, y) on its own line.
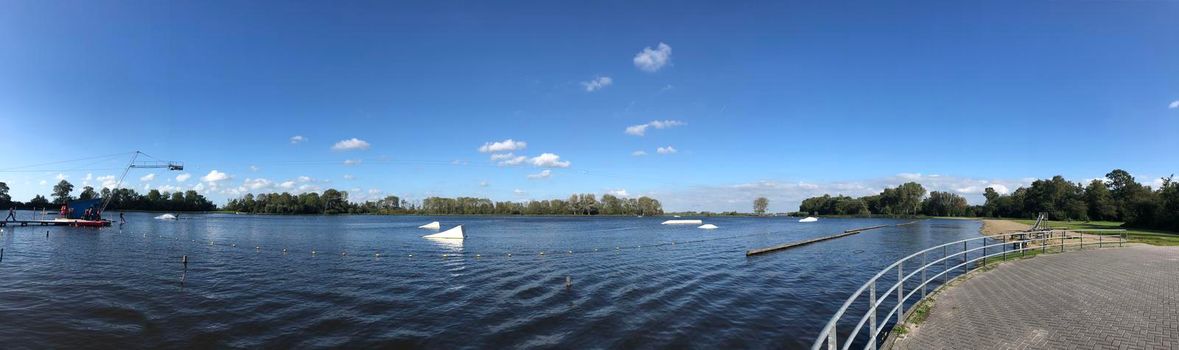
point(635, 283)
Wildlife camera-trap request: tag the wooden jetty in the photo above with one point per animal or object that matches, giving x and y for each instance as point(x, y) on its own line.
point(57, 222)
point(813, 240)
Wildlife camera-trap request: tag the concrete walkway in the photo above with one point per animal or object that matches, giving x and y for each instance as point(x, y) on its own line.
point(1114, 298)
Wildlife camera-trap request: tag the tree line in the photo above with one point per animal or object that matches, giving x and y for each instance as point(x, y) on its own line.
point(577, 204)
point(121, 199)
point(336, 202)
point(1117, 197)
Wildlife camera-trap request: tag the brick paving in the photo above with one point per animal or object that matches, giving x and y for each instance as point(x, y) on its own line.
point(1115, 298)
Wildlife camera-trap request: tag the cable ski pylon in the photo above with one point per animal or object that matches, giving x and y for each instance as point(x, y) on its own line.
point(154, 164)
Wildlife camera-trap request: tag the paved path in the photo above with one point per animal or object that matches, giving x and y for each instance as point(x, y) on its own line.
point(1118, 298)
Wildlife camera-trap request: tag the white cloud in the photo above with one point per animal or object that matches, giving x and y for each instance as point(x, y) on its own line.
point(304, 179)
point(621, 192)
point(199, 187)
point(253, 168)
point(484, 183)
point(88, 177)
point(147, 178)
point(513, 161)
point(519, 192)
point(1174, 104)
point(287, 184)
point(549, 160)
point(351, 162)
point(298, 139)
point(638, 153)
point(666, 150)
point(256, 184)
point(349, 177)
point(652, 60)
point(597, 83)
point(501, 156)
point(107, 181)
point(350, 144)
point(641, 129)
point(61, 176)
point(183, 177)
point(215, 176)
point(503, 146)
point(42, 182)
point(544, 174)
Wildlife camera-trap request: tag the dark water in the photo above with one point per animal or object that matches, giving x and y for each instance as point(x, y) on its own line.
point(631, 286)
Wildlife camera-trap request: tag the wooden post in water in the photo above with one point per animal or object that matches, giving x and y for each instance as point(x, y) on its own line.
point(1, 254)
point(184, 261)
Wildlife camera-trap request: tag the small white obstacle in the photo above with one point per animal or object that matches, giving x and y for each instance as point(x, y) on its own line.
point(454, 233)
point(683, 222)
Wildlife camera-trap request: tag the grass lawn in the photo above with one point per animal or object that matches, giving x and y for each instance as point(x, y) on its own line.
point(1152, 237)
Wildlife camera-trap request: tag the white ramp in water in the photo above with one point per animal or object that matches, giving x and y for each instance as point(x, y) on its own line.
point(166, 217)
point(809, 219)
point(432, 226)
point(707, 227)
point(454, 233)
point(683, 222)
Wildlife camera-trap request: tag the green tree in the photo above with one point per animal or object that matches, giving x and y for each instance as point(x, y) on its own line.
point(61, 192)
point(87, 193)
point(5, 199)
point(39, 201)
point(760, 204)
point(1100, 202)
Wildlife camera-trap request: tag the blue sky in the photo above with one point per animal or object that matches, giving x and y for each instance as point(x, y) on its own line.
point(780, 99)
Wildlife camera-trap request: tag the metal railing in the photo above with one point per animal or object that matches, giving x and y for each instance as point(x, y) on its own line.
point(962, 258)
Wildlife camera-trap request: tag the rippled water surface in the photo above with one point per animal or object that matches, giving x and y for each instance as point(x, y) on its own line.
point(635, 283)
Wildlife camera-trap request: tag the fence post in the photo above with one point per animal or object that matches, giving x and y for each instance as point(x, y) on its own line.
point(945, 265)
point(900, 291)
point(1099, 241)
point(872, 315)
point(1062, 234)
point(984, 262)
point(924, 267)
point(832, 341)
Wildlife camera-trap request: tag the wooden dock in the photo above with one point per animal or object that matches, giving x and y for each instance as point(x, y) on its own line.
point(57, 222)
point(813, 240)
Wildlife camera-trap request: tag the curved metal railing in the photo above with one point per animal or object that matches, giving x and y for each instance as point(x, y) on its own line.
point(1046, 241)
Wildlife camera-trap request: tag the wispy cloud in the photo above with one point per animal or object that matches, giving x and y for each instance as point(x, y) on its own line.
point(641, 129)
point(621, 192)
point(638, 153)
point(666, 150)
point(549, 160)
point(1174, 104)
point(351, 145)
point(351, 162)
point(298, 139)
point(597, 83)
point(652, 60)
point(147, 178)
point(512, 161)
point(543, 174)
point(503, 146)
